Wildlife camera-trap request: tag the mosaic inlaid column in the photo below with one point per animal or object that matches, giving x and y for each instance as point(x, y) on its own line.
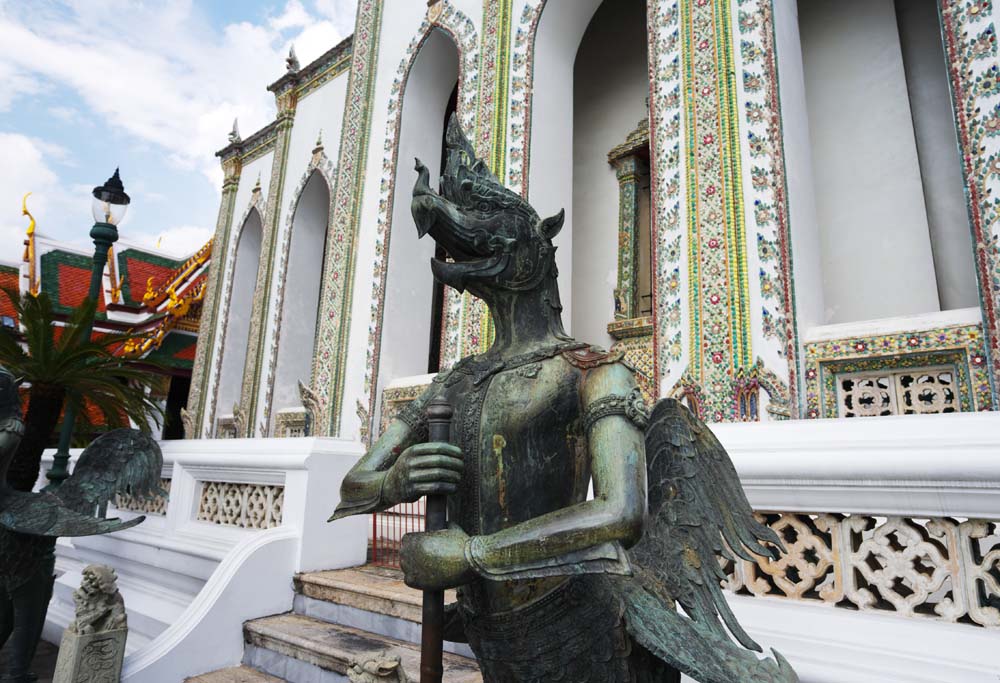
point(628, 169)
point(718, 287)
point(285, 92)
point(329, 361)
point(969, 30)
point(194, 415)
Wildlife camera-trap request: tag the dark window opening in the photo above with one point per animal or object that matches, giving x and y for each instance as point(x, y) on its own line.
point(177, 397)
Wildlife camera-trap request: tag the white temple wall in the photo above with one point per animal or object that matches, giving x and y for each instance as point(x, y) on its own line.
point(611, 86)
point(807, 273)
point(244, 278)
point(937, 145)
point(401, 24)
point(300, 303)
point(406, 321)
point(318, 116)
point(257, 169)
point(877, 259)
point(550, 186)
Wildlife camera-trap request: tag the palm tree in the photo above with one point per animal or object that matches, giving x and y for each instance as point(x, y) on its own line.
point(60, 365)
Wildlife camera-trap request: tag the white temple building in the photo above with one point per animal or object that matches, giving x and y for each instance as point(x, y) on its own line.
point(784, 212)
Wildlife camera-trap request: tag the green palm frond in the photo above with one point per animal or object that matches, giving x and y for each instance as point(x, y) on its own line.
point(57, 354)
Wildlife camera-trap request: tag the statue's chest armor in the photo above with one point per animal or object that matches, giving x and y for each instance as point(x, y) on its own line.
point(519, 430)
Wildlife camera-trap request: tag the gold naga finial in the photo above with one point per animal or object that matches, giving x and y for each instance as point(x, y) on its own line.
point(25, 212)
point(29, 249)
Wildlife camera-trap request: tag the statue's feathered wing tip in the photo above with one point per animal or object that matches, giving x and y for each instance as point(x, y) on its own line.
point(698, 513)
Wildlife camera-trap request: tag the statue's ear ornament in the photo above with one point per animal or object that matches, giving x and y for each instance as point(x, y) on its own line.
point(550, 227)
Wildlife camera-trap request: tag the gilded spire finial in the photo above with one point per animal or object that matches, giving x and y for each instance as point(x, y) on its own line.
point(25, 212)
point(29, 249)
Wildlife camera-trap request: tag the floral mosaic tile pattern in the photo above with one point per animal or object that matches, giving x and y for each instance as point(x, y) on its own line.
point(963, 347)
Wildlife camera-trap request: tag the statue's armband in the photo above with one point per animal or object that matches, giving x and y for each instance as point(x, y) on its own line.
point(632, 406)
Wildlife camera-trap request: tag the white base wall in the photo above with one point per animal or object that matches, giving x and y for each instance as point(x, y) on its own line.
point(189, 585)
point(828, 644)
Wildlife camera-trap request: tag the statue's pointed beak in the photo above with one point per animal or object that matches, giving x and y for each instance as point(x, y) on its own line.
point(423, 200)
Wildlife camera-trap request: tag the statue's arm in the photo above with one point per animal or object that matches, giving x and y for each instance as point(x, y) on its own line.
point(361, 490)
point(585, 536)
point(399, 468)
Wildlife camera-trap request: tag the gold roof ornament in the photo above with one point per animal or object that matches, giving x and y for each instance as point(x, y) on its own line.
point(29, 249)
point(150, 292)
point(155, 296)
point(116, 282)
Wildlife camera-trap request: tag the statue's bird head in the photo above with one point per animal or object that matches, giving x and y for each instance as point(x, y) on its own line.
point(494, 238)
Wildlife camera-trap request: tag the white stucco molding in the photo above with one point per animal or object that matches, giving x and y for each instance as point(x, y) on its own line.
point(960, 317)
point(912, 465)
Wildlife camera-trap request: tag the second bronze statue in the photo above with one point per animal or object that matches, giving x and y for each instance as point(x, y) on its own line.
point(553, 585)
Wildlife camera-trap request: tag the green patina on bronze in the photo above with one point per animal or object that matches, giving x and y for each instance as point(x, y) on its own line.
point(553, 586)
point(123, 461)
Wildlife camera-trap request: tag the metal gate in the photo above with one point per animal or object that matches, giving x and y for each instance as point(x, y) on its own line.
point(389, 527)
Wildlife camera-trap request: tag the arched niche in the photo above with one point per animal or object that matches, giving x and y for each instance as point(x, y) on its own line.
point(300, 303)
point(237, 323)
point(404, 342)
point(876, 196)
point(610, 87)
point(550, 172)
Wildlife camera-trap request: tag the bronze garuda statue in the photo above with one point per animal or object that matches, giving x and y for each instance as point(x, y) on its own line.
point(553, 586)
point(123, 461)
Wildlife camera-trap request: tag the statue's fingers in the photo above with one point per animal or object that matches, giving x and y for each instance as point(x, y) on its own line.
point(435, 448)
point(436, 488)
point(437, 461)
point(435, 474)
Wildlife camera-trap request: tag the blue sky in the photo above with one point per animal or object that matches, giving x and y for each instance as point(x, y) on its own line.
point(152, 87)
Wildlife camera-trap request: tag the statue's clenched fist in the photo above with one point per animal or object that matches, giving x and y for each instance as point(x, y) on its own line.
point(423, 469)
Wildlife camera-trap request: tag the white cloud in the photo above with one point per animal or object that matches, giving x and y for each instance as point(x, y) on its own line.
point(26, 168)
point(161, 71)
point(340, 12)
point(15, 84)
point(180, 241)
point(293, 16)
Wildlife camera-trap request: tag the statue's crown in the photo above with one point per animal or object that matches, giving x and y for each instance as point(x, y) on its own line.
point(467, 181)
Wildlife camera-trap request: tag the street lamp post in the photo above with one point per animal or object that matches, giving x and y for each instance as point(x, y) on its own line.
point(109, 205)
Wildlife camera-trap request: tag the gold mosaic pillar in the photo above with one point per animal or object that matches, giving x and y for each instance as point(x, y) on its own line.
point(286, 96)
point(719, 342)
point(194, 415)
point(628, 170)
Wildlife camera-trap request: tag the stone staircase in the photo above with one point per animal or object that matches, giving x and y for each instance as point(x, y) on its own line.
point(339, 617)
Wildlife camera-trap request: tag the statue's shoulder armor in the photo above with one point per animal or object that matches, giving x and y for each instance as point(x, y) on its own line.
point(592, 357)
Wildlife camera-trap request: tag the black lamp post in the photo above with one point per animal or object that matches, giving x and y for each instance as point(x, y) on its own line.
point(109, 205)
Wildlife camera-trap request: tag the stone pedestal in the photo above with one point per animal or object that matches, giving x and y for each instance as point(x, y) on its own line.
point(91, 657)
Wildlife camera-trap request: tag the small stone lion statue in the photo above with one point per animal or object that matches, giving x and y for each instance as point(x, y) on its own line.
point(99, 605)
point(384, 667)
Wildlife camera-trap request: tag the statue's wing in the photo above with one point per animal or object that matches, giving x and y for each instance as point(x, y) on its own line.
point(696, 648)
point(124, 461)
point(43, 514)
point(695, 503)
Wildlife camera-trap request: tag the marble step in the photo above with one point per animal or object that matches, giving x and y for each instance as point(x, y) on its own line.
point(372, 589)
point(236, 674)
point(369, 598)
point(306, 650)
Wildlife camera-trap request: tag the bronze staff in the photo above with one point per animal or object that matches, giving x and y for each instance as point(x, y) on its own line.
point(432, 634)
